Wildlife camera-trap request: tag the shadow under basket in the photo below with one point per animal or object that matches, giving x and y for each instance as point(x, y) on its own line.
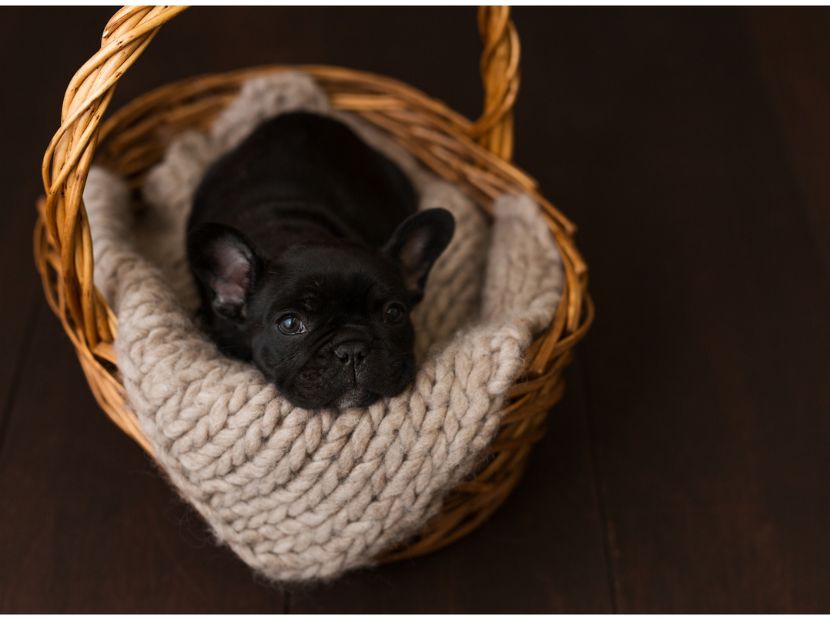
point(475, 156)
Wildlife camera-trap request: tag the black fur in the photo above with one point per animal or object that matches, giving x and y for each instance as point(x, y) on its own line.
point(309, 254)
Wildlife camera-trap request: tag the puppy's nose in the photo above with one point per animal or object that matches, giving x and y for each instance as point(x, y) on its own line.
point(353, 352)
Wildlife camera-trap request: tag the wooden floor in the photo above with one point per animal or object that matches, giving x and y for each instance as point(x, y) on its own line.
point(688, 468)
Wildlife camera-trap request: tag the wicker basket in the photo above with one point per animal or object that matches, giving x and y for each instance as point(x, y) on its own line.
point(473, 155)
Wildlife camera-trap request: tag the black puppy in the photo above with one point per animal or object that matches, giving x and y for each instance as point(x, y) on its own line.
point(309, 254)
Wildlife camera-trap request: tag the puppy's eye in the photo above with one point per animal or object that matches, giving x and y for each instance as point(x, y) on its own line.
point(393, 312)
point(290, 325)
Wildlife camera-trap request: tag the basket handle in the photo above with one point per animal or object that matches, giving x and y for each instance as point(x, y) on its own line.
point(69, 155)
point(500, 77)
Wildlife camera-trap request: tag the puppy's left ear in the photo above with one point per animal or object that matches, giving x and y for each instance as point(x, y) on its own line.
point(417, 244)
point(226, 265)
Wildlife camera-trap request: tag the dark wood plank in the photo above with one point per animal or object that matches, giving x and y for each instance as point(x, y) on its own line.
point(88, 524)
point(29, 119)
point(794, 53)
point(706, 368)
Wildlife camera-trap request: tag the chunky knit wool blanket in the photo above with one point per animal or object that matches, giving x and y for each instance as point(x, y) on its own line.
point(302, 494)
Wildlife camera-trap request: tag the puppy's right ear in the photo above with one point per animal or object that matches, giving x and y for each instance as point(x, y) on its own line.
point(417, 244)
point(226, 265)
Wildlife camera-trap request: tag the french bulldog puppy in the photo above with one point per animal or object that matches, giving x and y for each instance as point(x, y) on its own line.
point(309, 255)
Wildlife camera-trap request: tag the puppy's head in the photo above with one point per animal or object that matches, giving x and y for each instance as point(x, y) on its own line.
point(328, 324)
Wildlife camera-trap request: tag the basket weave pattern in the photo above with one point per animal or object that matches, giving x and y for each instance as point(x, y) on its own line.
point(473, 155)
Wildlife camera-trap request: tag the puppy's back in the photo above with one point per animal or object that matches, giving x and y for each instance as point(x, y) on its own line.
point(305, 166)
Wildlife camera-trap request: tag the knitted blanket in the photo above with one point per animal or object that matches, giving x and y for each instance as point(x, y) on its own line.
point(302, 494)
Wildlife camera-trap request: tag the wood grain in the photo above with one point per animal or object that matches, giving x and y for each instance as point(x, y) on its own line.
point(794, 60)
point(706, 368)
point(20, 290)
point(89, 524)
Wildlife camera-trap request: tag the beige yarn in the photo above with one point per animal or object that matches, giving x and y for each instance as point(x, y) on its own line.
point(304, 494)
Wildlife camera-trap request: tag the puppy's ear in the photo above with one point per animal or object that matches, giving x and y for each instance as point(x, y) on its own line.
point(416, 245)
point(226, 265)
